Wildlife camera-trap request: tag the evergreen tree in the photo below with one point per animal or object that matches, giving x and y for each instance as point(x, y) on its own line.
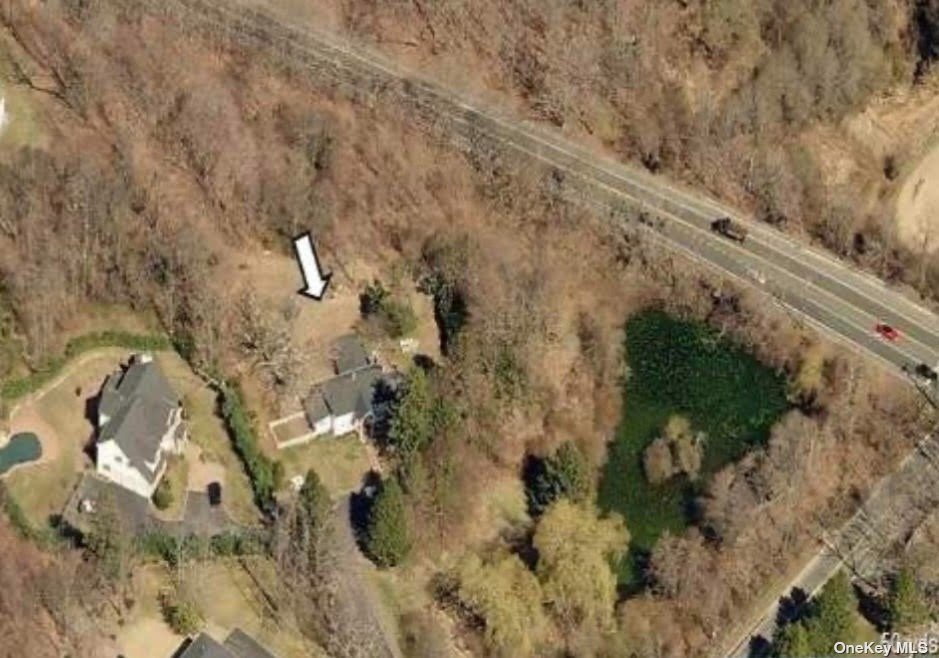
point(412, 422)
point(314, 499)
point(793, 642)
point(828, 619)
point(566, 474)
point(388, 541)
point(832, 614)
point(906, 605)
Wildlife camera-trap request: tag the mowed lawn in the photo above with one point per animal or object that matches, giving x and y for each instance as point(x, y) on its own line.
point(341, 462)
point(678, 367)
point(58, 415)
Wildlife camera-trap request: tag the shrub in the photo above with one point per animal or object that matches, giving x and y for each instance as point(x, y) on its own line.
point(399, 318)
point(182, 616)
point(278, 474)
point(15, 514)
point(163, 496)
point(372, 298)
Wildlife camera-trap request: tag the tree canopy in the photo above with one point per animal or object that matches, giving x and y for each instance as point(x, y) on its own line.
point(575, 550)
point(507, 597)
point(412, 422)
point(906, 604)
point(829, 618)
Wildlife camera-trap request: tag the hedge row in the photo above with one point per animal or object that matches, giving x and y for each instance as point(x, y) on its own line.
point(172, 549)
point(259, 467)
point(17, 388)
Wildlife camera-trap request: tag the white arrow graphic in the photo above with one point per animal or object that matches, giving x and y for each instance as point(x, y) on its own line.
point(314, 281)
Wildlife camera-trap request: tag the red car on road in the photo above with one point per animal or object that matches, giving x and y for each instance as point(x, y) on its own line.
point(886, 332)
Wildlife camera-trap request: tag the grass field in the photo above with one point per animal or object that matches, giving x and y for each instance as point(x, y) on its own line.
point(681, 367)
point(340, 462)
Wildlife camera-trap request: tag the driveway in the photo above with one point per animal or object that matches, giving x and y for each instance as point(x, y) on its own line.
point(137, 516)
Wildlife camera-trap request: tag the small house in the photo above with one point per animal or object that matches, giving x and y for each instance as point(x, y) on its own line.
point(345, 402)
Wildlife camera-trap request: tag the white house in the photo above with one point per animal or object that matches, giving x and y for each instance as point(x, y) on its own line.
point(139, 424)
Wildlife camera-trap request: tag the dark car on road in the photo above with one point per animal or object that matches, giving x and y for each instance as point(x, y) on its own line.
point(729, 229)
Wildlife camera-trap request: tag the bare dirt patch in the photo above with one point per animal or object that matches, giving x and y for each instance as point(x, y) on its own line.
point(148, 637)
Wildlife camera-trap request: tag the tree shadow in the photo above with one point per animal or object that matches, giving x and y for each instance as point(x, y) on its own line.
point(792, 607)
point(360, 506)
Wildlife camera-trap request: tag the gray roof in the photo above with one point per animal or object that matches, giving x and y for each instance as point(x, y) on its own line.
point(205, 647)
point(350, 354)
point(315, 407)
point(138, 401)
point(243, 645)
point(352, 392)
point(238, 644)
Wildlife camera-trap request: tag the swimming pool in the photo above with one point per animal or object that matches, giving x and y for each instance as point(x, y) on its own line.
point(22, 448)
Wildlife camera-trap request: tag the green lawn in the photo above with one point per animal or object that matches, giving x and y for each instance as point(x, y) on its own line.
point(681, 367)
point(340, 463)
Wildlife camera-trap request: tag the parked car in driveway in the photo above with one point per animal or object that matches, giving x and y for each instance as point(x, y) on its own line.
point(215, 494)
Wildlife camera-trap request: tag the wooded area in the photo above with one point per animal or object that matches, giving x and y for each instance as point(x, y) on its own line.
point(167, 166)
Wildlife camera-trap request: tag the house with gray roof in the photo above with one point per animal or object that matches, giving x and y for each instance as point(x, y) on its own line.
point(139, 423)
point(343, 403)
point(238, 644)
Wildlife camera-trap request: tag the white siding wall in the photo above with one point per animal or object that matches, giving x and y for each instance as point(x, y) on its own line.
point(343, 424)
point(323, 426)
point(113, 465)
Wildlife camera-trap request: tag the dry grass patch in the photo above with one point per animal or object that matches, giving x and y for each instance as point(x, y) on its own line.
point(228, 596)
